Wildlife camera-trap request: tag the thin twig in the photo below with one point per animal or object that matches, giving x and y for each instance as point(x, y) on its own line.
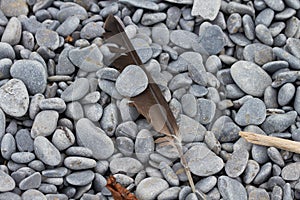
point(270, 141)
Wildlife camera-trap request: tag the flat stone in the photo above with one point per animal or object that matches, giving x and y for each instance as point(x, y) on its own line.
point(57, 172)
point(127, 84)
point(277, 123)
point(273, 66)
point(181, 80)
point(71, 10)
point(79, 163)
point(80, 178)
point(74, 110)
point(276, 28)
point(8, 146)
point(240, 39)
point(14, 98)
point(68, 26)
point(78, 89)
point(264, 173)
point(142, 48)
point(5, 65)
point(46, 151)
point(206, 9)
point(235, 7)
point(88, 58)
point(265, 17)
point(257, 79)
point(225, 130)
point(291, 172)
point(22, 157)
point(33, 194)
point(170, 193)
point(14, 8)
point(92, 30)
point(149, 19)
point(93, 111)
point(206, 110)
point(259, 193)
point(190, 129)
point(286, 94)
point(107, 73)
point(90, 136)
point(234, 23)
point(32, 73)
point(276, 5)
point(251, 171)
point(231, 189)
point(206, 184)
point(109, 88)
point(173, 16)
point(110, 119)
point(3, 19)
point(125, 145)
point(264, 34)
point(6, 51)
point(248, 26)
point(200, 155)
point(31, 182)
point(183, 38)
point(252, 111)
point(125, 164)
point(144, 145)
point(292, 46)
point(142, 4)
point(160, 34)
point(9, 195)
point(259, 53)
point(47, 38)
point(12, 32)
point(64, 65)
point(237, 163)
point(63, 138)
point(189, 103)
point(7, 183)
point(44, 123)
point(275, 156)
point(150, 188)
point(293, 61)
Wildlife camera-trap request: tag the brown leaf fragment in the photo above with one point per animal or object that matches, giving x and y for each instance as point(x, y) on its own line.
point(118, 191)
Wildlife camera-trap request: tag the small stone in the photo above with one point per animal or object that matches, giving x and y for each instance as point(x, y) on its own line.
point(47, 38)
point(68, 26)
point(8, 7)
point(265, 17)
point(235, 7)
point(144, 145)
point(14, 98)
point(170, 193)
point(248, 26)
point(293, 61)
point(160, 34)
point(74, 110)
point(55, 172)
point(276, 5)
point(8, 146)
point(90, 136)
point(7, 182)
point(79, 163)
point(109, 88)
point(277, 123)
point(31, 182)
point(142, 48)
point(125, 145)
point(106, 73)
point(252, 111)
point(206, 184)
point(110, 119)
point(150, 188)
point(44, 123)
point(276, 28)
point(273, 66)
point(190, 129)
point(251, 171)
point(22, 157)
point(169, 174)
point(9, 195)
point(285, 14)
point(24, 141)
point(46, 151)
point(149, 19)
point(276, 193)
point(291, 172)
point(110, 9)
point(142, 4)
point(78, 89)
point(92, 30)
point(33, 194)
point(80, 178)
point(292, 46)
point(173, 16)
point(256, 83)
point(5, 65)
point(263, 174)
point(275, 156)
point(12, 32)
point(280, 40)
point(264, 34)
point(56, 104)
point(93, 111)
point(127, 84)
point(237, 163)
point(240, 39)
point(286, 94)
point(64, 65)
point(180, 81)
point(234, 23)
point(189, 103)
point(258, 193)
point(225, 130)
point(212, 39)
point(125, 164)
point(63, 138)
point(292, 26)
point(206, 9)
point(231, 188)
point(88, 58)
point(200, 155)
point(258, 53)
point(72, 10)
point(184, 39)
point(3, 19)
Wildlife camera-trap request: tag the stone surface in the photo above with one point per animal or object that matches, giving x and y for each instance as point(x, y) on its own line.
point(46, 151)
point(7, 183)
point(44, 123)
point(206, 9)
point(150, 188)
point(12, 32)
point(237, 163)
point(231, 189)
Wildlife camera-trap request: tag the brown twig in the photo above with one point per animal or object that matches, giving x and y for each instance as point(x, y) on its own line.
point(270, 141)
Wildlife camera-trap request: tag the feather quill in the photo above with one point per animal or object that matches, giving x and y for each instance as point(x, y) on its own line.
point(151, 103)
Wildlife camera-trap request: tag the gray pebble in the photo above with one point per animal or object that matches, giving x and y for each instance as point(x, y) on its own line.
point(153, 18)
point(231, 189)
point(47, 38)
point(292, 3)
point(286, 94)
point(125, 145)
point(93, 111)
point(263, 174)
point(91, 98)
point(88, 58)
point(251, 171)
point(248, 26)
point(273, 66)
point(265, 17)
point(144, 145)
point(55, 172)
point(234, 7)
point(80, 178)
point(225, 130)
point(291, 172)
point(206, 184)
point(68, 26)
point(127, 84)
point(150, 188)
point(264, 34)
point(127, 129)
point(276, 28)
point(24, 141)
point(9, 195)
point(110, 74)
point(169, 174)
point(142, 4)
point(287, 192)
point(79, 163)
point(5, 65)
point(280, 40)
point(239, 39)
point(44, 123)
point(92, 30)
point(22, 157)
point(33, 194)
point(64, 65)
point(237, 163)
point(293, 61)
point(190, 129)
point(71, 10)
point(110, 9)
point(276, 193)
point(13, 31)
point(234, 23)
point(8, 146)
point(258, 193)
point(213, 64)
point(137, 15)
point(212, 45)
point(36, 165)
point(63, 138)
point(198, 155)
point(275, 156)
point(31, 182)
point(9, 8)
point(109, 88)
point(182, 38)
point(90, 136)
point(170, 193)
point(198, 90)
point(46, 151)
point(206, 110)
point(279, 122)
point(160, 34)
point(55, 103)
point(110, 119)
point(252, 111)
point(206, 9)
point(292, 26)
point(14, 99)
point(173, 16)
point(258, 53)
point(285, 14)
point(142, 48)
point(125, 164)
point(3, 19)
point(189, 103)
point(78, 89)
point(180, 81)
point(292, 46)
point(7, 182)
point(257, 84)
point(276, 5)
point(74, 110)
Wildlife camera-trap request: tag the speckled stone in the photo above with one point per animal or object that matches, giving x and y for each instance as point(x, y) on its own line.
point(150, 188)
point(44, 123)
point(46, 151)
point(237, 163)
point(206, 9)
point(231, 189)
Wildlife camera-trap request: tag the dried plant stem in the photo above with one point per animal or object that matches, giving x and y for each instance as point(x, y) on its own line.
point(270, 141)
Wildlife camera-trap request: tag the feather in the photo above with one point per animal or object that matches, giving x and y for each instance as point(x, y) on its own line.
point(150, 103)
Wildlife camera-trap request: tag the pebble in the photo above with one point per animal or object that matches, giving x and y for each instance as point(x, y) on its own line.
point(144, 145)
point(149, 188)
point(259, 53)
point(191, 129)
point(3, 19)
point(235, 7)
point(13, 31)
point(212, 45)
point(64, 65)
point(160, 34)
point(258, 193)
point(275, 156)
point(170, 193)
point(292, 26)
point(239, 39)
point(93, 111)
point(248, 26)
point(68, 26)
point(47, 38)
point(80, 178)
point(168, 173)
point(173, 16)
point(22, 157)
point(9, 195)
point(189, 103)
point(8, 146)
point(149, 19)
point(291, 172)
point(125, 145)
point(24, 141)
point(55, 103)
point(206, 110)
point(255, 85)
point(44, 123)
point(110, 119)
point(265, 17)
point(14, 98)
point(276, 5)
point(109, 88)
point(180, 81)
point(92, 30)
point(71, 10)
point(9, 8)
point(79, 163)
point(88, 58)
point(5, 65)
point(263, 174)
point(286, 94)
point(264, 34)
point(183, 38)
point(234, 23)
point(78, 89)
point(31, 182)
point(206, 184)
point(237, 163)
point(46, 151)
point(279, 122)
point(252, 111)
point(251, 171)
point(206, 9)
point(292, 46)
point(273, 66)
point(142, 4)
point(231, 189)
point(90, 136)
point(143, 49)
point(198, 155)
point(63, 138)
point(127, 84)
point(127, 165)
point(7, 183)
point(293, 61)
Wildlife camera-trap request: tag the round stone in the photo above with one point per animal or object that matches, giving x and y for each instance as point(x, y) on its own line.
point(63, 138)
point(160, 34)
point(46, 151)
point(44, 123)
point(231, 189)
point(128, 84)
point(33, 194)
point(143, 49)
point(125, 164)
point(80, 178)
point(251, 171)
point(237, 163)
point(206, 110)
point(13, 31)
point(286, 94)
point(183, 38)
point(276, 5)
point(71, 10)
point(206, 9)
point(150, 188)
point(78, 89)
point(144, 145)
point(264, 34)
point(7, 183)
point(79, 163)
point(14, 98)
point(47, 38)
point(153, 18)
point(250, 77)
point(31, 182)
point(92, 30)
point(258, 53)
point(68, 26)
point(32, 73)
point(279, 122)
point(8, 7)
point(291, 172)
point(8, 146)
